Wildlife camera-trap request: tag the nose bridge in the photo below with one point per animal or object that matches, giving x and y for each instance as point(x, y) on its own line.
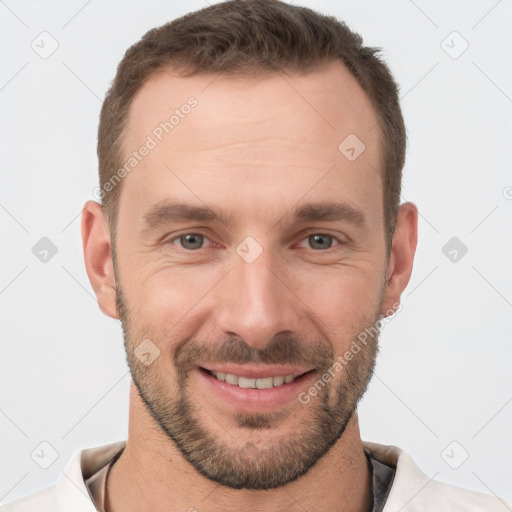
point(256, 303)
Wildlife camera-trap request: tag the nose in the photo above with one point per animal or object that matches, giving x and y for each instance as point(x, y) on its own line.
point(257, 301)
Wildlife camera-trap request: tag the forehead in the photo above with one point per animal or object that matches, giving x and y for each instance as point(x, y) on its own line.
point(270, 138)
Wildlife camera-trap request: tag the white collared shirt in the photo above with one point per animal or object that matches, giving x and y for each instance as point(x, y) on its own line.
point(412, 490)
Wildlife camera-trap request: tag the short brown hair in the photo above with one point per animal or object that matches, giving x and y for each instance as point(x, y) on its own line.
point(250, 37)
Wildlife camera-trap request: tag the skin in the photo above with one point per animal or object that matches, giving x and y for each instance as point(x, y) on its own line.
point(254, 148)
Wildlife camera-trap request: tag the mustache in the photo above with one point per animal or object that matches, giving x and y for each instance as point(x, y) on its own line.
point(284, 348)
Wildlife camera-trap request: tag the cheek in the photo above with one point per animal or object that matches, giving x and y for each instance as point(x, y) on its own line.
point(344, 299)
point(167, 300)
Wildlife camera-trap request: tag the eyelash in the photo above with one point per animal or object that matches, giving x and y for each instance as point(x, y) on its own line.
point(306, 236)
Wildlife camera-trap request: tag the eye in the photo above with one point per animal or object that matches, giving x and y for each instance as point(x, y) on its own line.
point(190, 241)
point(196, 240)
point(321, 241)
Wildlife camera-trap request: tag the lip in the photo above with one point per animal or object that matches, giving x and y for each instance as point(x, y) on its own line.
point(251, 400)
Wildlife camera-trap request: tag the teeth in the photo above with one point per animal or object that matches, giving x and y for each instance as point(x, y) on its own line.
point(244, 382)
point(278, 381)
point(266, 383)
point(231, 379)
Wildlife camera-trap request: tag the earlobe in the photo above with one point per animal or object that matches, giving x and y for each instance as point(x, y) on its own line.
point(401, 258)
point(98, 257)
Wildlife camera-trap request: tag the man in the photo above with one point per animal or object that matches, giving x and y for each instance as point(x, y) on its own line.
point(271, 140)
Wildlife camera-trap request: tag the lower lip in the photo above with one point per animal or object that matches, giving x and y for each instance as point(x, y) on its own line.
point(254, 400)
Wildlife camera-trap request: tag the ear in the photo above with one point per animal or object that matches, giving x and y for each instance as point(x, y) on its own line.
point(98, 257)
point(401, 257)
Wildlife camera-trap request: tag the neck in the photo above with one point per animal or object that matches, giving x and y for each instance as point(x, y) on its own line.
point(152, 475)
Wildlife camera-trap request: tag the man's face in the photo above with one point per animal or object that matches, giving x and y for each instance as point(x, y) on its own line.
point(262, 294)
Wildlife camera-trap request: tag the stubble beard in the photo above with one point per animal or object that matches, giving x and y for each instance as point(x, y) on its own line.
point(264, 460)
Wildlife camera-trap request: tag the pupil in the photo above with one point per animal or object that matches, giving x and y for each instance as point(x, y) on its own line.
point(320, 238)
point(195, 240)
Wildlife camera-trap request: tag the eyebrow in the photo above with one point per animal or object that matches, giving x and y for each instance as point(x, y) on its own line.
point(164, 213)
point(330, 211)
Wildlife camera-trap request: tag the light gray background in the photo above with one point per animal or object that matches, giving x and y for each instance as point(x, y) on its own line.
point(444, 369)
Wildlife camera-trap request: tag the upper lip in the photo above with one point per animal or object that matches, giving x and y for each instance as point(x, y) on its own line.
point(256, 371)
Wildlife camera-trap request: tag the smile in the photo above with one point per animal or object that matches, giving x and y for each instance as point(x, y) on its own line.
point(252, 383)
point(253, 388)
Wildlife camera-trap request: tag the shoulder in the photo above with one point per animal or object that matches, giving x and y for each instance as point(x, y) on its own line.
point(69, 493)
point(413, 491)
point(42, 501)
